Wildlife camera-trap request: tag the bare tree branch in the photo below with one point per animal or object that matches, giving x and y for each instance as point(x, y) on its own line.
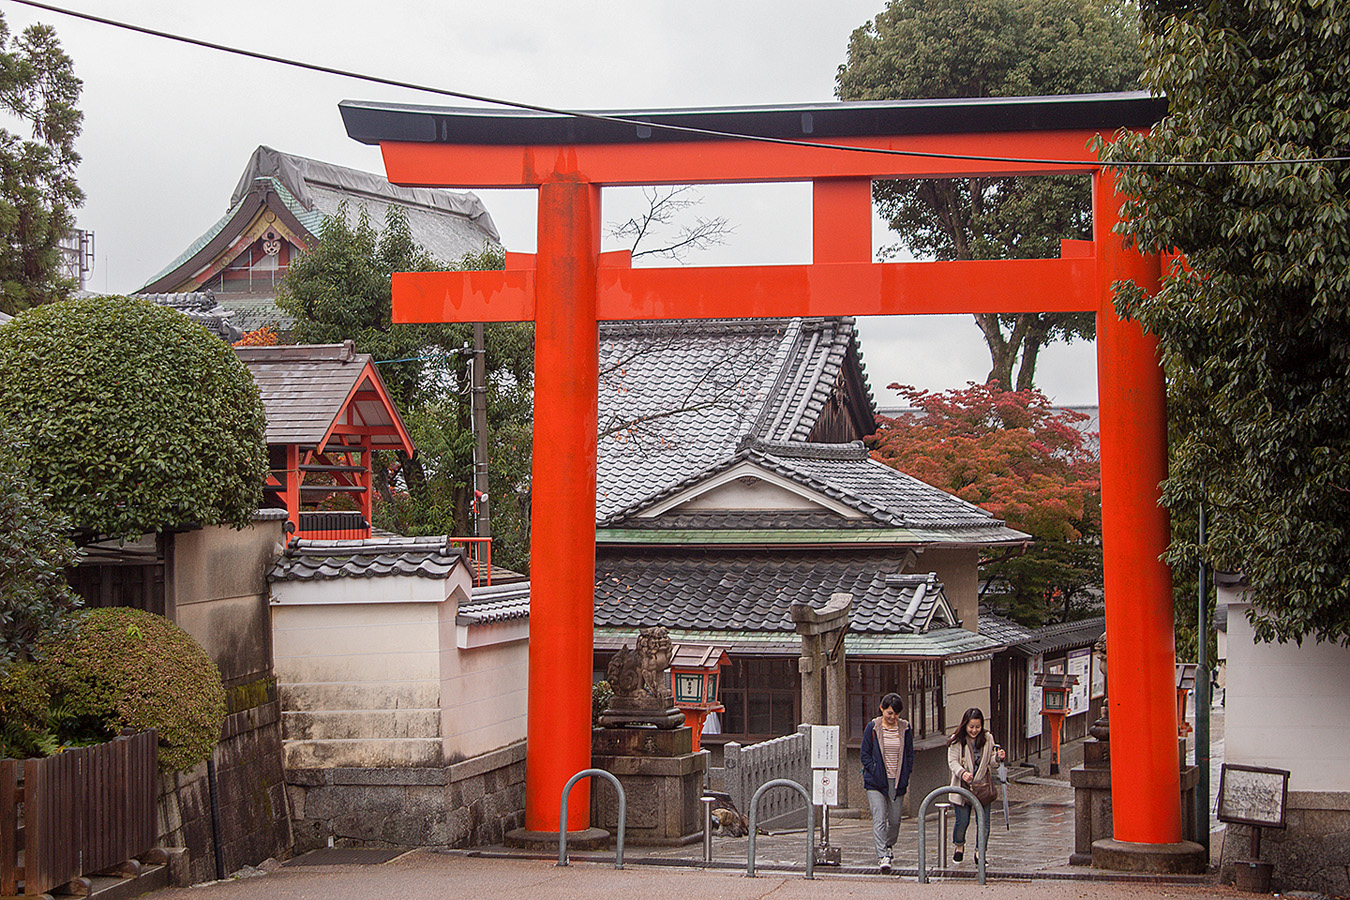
point(665, 206)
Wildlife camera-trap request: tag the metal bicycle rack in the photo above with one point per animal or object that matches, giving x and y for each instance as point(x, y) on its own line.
point(562, 817)
point(810, 825)
point(980, 843)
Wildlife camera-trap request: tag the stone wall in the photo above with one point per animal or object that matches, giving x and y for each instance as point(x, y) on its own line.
point(468, 804)
point(250, 798)
point(1311, 854)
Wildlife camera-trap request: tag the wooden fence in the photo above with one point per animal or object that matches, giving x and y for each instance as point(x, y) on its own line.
point(78, 812)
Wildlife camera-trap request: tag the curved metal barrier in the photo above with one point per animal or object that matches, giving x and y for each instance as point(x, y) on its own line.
point(810, 825)
point(562, 817)
point(980, 843)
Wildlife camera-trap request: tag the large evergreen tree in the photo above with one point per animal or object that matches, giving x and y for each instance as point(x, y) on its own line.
point(38, 192)
point(342, 290)
point(1255, 327)
point(994, 48)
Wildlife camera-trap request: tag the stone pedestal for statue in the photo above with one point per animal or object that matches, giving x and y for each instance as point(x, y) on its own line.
point(1093, 833)
point(662, 778)
point(644, 743)
point(1091, 783)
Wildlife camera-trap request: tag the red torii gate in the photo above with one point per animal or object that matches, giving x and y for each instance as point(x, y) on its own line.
point(570, 286)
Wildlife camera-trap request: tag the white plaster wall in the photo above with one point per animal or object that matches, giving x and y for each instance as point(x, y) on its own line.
point(1287, 705)
point(359, 682)
point(483, 689)
point(958, 568)
point(967, 685)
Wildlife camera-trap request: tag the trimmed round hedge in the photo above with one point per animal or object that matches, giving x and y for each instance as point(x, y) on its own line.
point(132, 417)
point(124, 668)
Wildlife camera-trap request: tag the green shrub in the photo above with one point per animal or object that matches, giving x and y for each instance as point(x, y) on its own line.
point(35, 599)
point(25, 706)
point(124, 668)
point(131, 417)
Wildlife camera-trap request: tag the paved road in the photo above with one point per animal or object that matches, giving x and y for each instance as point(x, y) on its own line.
point(420, 874)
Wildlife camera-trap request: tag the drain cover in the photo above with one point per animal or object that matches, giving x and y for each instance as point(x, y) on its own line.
point(345, 856)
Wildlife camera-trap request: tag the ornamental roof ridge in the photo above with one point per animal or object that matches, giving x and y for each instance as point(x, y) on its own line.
point(852, 450)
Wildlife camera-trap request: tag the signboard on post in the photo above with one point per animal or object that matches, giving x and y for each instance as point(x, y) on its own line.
point(1252, 795)
point(824, 746)
point(1077, 664)
point(824, 787)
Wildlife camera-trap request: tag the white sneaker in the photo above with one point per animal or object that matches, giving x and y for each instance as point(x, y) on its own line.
point(885, 865)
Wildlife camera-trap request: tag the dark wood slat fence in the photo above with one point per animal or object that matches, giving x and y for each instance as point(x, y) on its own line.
point(78, 812)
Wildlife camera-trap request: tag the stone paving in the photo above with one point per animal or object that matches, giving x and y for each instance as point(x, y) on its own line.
point(1036, 838)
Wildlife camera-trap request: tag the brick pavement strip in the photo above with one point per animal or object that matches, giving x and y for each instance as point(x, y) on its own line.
point(428, 874)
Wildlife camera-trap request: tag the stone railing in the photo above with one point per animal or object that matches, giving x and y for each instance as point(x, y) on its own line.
point(744, 769)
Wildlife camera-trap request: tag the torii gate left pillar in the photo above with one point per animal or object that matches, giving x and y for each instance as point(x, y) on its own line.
point(571, 287)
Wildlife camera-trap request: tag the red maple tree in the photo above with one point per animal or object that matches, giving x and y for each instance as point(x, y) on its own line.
point(1027, 462)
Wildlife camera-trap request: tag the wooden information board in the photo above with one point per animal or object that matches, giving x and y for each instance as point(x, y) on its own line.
point(1252, 795)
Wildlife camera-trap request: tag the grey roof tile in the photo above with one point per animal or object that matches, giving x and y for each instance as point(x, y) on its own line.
point(1064, 636)
point(422, 557)
point(939, 643)
point(725, 378)
point(497, 603)
point(746, 589)
point(202, 308)
point(845, 473)
point(304, 388)
point(447, 224)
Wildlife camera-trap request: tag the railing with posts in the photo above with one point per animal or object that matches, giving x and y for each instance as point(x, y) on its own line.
point(562, 814)
point(333, 526)
point(479, 551)
point(798, 790)
point(744, 769)
point(80, 811)
point(981, 841)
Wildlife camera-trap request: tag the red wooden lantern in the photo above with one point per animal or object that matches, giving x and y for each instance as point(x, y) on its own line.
point(1055, 706)
point(695, 676)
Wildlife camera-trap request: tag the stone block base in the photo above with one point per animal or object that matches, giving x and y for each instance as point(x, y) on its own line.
point(1182, 858)
point(662, 780)
point(547, 841)
point(468, 804)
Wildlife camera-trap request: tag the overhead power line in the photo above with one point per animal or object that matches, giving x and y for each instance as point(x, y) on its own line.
point(603, 117)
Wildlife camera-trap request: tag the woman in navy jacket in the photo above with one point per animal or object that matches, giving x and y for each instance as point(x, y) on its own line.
point(887, 758)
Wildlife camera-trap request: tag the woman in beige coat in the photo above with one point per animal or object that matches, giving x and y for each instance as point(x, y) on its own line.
point(971, 755)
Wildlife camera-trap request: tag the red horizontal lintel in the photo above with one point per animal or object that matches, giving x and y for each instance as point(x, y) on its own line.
point(703, 162)
point(822, 289)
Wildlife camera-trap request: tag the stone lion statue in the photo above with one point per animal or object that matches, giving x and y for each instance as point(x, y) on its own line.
point(653, 650)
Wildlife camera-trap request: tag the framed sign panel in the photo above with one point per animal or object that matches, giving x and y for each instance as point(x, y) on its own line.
point(1034, 696)
point(1078, 661)
point(1252, 795)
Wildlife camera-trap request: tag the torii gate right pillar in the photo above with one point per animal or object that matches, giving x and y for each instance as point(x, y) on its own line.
point(1146, 781)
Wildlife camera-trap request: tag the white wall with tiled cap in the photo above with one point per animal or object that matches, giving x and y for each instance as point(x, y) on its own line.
point(1286, 705)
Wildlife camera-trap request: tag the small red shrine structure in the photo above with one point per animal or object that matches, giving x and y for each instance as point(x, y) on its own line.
point(327, 409)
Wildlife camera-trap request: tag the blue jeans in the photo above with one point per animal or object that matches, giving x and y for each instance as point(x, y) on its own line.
point(963, 814)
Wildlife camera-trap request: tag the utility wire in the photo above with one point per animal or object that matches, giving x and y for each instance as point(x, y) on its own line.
point(603, 117)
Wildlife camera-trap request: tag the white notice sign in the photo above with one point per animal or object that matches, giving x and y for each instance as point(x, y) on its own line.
point(825, 787)
point(824, 746)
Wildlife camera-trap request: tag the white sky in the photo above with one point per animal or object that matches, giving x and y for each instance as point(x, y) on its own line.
point(168, 128)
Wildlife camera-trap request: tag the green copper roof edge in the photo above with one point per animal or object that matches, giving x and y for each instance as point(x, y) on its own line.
point(762, 536)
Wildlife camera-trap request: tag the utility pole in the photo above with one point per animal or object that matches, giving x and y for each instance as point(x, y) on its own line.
point(1202, 698)
point(478, 413)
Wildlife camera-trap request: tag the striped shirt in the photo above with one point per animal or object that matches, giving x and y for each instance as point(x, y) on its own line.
point(892, 742)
